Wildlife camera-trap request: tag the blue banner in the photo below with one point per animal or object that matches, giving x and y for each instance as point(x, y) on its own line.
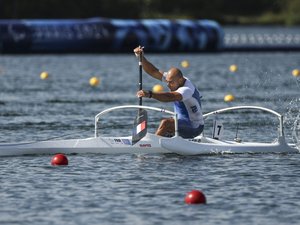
point(109, 35)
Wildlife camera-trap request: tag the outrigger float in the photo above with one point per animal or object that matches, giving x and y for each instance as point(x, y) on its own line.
point(152, 143)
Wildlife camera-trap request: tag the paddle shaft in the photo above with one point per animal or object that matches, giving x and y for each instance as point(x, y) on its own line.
point(141, 77)
point(140, 123)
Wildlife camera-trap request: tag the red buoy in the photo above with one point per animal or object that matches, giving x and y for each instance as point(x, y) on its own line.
point(195, 197)
point(59, 160)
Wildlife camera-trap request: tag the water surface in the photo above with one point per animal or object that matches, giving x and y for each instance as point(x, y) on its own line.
point(146, 189)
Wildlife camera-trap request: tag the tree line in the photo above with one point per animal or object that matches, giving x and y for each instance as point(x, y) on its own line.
point(244, 12)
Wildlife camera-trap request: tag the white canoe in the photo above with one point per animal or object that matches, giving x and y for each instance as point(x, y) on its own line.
point(151, 143)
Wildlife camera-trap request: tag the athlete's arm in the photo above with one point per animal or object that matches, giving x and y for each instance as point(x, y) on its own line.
point(163, 97)
point(151, 69)
point(148, 66)
point(167, 96)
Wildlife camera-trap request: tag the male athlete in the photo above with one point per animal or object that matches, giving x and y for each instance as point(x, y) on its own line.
point(183, 93)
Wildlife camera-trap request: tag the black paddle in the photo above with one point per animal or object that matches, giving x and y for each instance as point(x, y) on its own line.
point(140, 123)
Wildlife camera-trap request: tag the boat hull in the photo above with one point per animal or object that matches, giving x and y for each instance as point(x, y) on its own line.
point(211, 146)
point(150, 144)
point(100, 145)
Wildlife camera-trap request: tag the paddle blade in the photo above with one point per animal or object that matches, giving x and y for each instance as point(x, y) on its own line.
point(140, 126)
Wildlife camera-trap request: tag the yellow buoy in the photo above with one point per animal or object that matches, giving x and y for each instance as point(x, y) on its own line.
point(229, 98)
point(44, 75)
point(296, 72)
point(157, 88)
point(94, 81)
point(233, 68)
point(185, 64)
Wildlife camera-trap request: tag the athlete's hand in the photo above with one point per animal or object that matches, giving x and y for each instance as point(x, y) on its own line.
point(138, 51)
point(143, 93)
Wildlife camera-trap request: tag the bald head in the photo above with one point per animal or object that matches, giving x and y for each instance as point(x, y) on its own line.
point(174, 73)
point(174, 79)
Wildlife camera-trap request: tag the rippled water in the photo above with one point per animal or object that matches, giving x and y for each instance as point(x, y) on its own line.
point(145, 189)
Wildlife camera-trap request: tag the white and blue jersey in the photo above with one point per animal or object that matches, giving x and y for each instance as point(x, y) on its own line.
point(189, 108)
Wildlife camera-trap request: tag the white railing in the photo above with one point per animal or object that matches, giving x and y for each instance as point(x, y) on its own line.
point(135, 107)
point(280, 117)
